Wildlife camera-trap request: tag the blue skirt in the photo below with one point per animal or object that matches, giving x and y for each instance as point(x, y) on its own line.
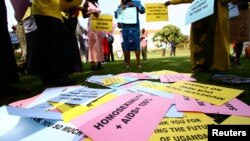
point(131, 39)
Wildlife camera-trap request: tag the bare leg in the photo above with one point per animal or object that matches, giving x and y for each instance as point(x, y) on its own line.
point(238, 52)
point(93, 66)
point(137, 55)
point(127, 58)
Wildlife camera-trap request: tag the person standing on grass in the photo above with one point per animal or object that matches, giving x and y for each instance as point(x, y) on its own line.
point(209, 38)
point(144, 44)
point(110, 43)
point(55, 58)
point(95, 55)
point(8, 71)
point(163, 46)
point(122, 44)
point(131, 32)
point(80, 40)
point(86, 44)
point(239, 29)
point(172, 48)
point(105, 48)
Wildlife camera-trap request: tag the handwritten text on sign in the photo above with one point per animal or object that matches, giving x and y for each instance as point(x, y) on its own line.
point(102, 23)
point(199, 9)
point(156, 12)
point(208, 93)
point(127, 16)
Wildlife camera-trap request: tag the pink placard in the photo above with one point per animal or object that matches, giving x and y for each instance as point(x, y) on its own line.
point(168, 78)
point(135, 119)
point(136, 75)
point(23, 103)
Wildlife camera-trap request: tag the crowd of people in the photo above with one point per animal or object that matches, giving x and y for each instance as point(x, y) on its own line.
point(54, 39)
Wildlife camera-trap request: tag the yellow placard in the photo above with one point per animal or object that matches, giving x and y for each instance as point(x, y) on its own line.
point(156, 12)
point(236, 120)
point(104, 23)
point(161, 72)
point(193, 126)
point(208, 93)
point(152, 85)
point(87, 139)
point(113, 80)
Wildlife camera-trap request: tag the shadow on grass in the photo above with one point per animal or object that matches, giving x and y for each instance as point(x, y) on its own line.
point(179, 64)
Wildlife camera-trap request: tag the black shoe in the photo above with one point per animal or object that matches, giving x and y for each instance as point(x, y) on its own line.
point(99, 66)
point(201, 68)
point(49, 81)
point(93, 68)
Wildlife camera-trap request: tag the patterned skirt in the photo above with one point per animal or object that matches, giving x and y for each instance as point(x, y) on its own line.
point(239, 27)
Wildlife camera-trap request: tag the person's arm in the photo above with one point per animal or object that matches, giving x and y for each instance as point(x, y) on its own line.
point(138, 5)
point(117, 11)
point(20, 7)
point(84, 10)
point(174, 2)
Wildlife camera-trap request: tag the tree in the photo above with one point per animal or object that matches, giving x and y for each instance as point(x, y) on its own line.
point(169, 33)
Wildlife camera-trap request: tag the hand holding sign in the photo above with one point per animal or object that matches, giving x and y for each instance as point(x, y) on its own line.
point(167, 3)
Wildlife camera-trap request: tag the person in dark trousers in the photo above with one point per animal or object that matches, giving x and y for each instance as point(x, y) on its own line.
point(172, 48)
point(57, 53)
point(239, 29)
point(9, 71)
point(110, 44)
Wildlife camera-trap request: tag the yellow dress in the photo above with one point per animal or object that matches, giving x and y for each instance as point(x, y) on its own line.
point(209, 38)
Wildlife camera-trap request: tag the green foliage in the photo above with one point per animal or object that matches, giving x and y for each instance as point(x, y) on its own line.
point(169, 33)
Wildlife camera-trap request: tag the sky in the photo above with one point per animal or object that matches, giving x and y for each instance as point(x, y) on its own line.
point(176, 15)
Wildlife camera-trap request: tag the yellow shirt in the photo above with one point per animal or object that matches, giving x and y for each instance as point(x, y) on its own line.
point(47, 8)
point(27, 13)
point(52, 8)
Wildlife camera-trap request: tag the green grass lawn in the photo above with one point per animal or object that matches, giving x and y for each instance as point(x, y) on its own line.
point(155, 62)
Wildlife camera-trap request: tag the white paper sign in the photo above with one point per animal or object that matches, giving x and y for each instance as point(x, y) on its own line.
point(51, 93)
point(16, 128)
point(36, 113)
point(82, 96)
point(127, 16)
point(172, 112)
point(233, 10)
point(150, 91)
point(199, 9)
